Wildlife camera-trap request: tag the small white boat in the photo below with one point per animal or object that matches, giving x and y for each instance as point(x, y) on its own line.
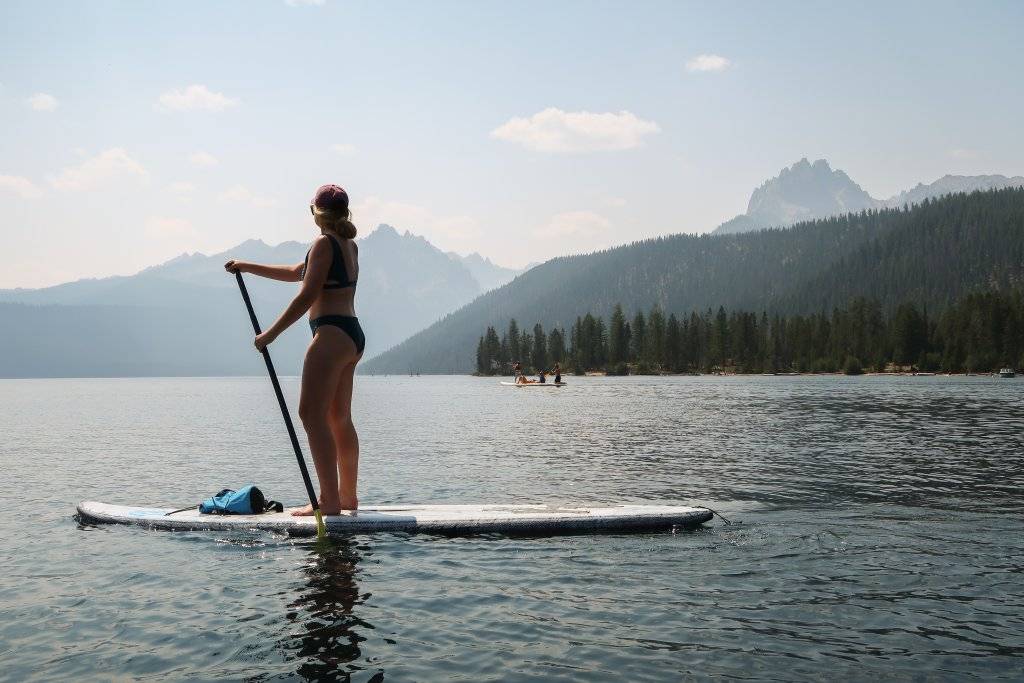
point(1007, 373)
point(537, 385)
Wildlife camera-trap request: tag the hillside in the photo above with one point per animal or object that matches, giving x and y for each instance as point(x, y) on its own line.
point(929, 254)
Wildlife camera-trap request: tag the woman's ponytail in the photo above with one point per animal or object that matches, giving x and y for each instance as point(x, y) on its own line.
point(336, 221)
point(346, 228)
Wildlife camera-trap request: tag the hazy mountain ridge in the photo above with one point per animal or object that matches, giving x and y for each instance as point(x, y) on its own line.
point(486, 272)
point(930, 254)
point(807, 191)
point(949, 184)
point(405, 284)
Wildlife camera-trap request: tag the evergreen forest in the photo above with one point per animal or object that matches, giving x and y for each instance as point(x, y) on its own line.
point(983, 332)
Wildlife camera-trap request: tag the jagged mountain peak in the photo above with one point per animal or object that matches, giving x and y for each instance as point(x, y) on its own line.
point(803, 191)
point(808, 190)
point(383, 231)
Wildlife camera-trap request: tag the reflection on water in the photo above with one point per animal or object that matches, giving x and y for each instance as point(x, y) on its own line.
point(325, 633)
point(881, 536)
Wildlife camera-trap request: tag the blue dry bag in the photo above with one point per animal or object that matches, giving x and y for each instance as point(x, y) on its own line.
point(247, 500)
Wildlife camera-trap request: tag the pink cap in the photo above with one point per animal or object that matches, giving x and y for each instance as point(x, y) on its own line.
point(331, 198)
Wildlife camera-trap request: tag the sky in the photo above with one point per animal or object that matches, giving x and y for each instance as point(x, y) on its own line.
point(132, 132)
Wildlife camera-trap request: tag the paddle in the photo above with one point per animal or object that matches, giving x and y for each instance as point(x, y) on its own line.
point(320, 530)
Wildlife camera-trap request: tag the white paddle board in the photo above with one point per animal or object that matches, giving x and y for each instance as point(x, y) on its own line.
point(535, 384)
point(427, 518)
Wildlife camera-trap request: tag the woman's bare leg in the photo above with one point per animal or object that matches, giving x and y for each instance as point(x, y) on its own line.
point(321, 372)
point(346, 441)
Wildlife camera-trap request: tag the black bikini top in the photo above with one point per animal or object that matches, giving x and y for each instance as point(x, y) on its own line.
point(337, 276)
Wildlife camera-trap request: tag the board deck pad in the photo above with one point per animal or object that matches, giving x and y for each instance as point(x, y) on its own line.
point(452, 519)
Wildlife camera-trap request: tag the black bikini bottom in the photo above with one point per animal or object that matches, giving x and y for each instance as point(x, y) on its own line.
point(349, 324)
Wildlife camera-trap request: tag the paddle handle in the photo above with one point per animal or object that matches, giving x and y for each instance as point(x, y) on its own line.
point(320, 530)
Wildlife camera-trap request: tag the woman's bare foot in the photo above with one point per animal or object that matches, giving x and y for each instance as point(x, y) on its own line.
point(349, 503)
point(326, 509)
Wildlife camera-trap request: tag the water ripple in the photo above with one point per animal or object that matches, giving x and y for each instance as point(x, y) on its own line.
point(881, 533)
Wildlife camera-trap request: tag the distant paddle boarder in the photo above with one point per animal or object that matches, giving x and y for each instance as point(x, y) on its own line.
point(517, 373)
point(557, 372)
point(328, 278)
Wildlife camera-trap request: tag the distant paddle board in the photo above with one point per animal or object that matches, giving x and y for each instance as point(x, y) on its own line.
point(451, 519)
point(539, 385)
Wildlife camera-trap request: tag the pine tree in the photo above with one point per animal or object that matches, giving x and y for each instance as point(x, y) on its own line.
point(673, 345)
point(526, 345)
point(618, 340)
point(514, 348)
point(655, 342)
point(540, 348)
point(638, 338)
point(492, 351)
point(556, 346)
point(720, 338)
point(481, 359)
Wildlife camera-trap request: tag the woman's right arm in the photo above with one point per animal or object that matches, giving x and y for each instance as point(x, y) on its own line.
point(282, 273)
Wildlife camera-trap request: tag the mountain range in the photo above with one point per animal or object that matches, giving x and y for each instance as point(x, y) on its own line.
point(930, 254)
point(805, 191)
point(185, 316)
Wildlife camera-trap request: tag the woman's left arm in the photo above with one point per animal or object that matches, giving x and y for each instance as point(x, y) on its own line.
point(316, 275)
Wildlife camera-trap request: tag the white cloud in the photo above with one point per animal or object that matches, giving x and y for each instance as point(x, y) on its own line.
point(448, 232)
point(554, 130)
point(242, 195)
point(203, 159)
point(196, 98)
point(42, 102)
point(300, 3)
point(614, 202)
point(23, 187)
point(174, 228)
point(705, 63)
point(343, 148)
point(106, 166)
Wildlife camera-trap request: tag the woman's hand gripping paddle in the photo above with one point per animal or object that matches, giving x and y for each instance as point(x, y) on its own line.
point(321, 531)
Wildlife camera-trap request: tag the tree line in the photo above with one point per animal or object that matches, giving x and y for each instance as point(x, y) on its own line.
point(981, 332)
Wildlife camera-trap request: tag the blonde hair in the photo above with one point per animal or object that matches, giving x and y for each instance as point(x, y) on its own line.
point(335, 221)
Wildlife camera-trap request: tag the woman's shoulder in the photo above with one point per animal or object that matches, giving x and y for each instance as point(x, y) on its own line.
point(338, 239)
point(321, 243)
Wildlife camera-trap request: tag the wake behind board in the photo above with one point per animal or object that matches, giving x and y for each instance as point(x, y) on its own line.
point(450, 519)
point(539, 385)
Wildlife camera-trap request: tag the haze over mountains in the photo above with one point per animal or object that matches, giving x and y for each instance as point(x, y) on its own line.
point(805, 191)
point(185, 316)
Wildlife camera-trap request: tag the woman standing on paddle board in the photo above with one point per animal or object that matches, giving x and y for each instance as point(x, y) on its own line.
point(328, 289)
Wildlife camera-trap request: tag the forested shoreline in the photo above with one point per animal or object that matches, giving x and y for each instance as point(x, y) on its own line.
point(982, 332)
point(933, 254)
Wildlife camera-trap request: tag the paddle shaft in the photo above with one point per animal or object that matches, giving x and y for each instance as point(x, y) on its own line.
point(280, 402)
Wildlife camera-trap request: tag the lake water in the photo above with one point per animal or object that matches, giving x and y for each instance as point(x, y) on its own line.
point(881, 534)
